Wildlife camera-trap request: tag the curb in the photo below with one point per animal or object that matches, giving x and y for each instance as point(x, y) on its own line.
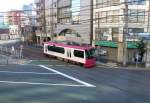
point(134, 68)
point(8, 41)
point(112, 65)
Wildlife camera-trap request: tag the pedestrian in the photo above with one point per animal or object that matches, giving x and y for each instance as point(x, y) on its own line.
point(12, 50)
point(97, 51)
point(21, 49)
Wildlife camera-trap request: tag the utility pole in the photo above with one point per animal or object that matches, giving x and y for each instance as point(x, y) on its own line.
point(147, 41)
point(125, 33)
point(98, 26)
point(52, 19)
point(44, 18)
point(148, 23)
point(91, 22)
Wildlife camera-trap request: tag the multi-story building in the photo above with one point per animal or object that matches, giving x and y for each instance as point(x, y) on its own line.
point(14, 20)
point(17, 21)
point(69, 18)
point(40, 20)
point(49, 17)
point(29, 11)
point(28, 21)
point(14, 17)
point(115, 20)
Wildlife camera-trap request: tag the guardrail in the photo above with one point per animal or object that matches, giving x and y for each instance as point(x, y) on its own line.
point(9, 55)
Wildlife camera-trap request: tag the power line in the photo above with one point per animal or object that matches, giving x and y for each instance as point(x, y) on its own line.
point(78, 11)
point(75, 7)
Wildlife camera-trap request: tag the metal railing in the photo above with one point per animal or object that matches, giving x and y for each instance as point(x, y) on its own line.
point(9, 55)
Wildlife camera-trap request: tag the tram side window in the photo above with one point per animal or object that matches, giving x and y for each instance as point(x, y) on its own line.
point(56, 49)
point(79, 54)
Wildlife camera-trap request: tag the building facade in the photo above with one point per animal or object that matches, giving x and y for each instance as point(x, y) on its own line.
point(29, 10)
point(14, 17)
point(18, 20)
point(14, 20)
point(64, 17)
point(4, 32)
point(28, 21)
point(115, 20)
point(14, 31)
point(40, 20)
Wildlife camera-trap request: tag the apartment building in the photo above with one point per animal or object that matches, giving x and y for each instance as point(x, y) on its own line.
point(65, 18)
point(14, 20)
point(116, 19)
point(14, 17)
point(28, 22)
point(40, 20)
point(29, 11)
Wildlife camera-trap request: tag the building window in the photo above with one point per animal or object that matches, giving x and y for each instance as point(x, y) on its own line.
point(97, 17)
point(55, 25)
point(103, 17)
point(137, 2)
point(79, 54)
point(55, 15)
point(136, 16)
point(55, 4)
point(107, 17)
point(75, 9)
point(106, 3)
point(103, 34)
point(134, 31)
point(64, 15)
point(115, 34)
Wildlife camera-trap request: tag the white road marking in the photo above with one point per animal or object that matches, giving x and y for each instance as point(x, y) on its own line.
point(29, 61)
point(25, 72)
point(45, 84)
point(70, 77)
point(107, 67)
point(60, 65)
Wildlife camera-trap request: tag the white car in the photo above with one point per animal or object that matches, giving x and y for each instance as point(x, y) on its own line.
point(102, 52)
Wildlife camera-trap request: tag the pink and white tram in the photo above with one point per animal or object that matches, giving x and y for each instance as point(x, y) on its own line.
point(79, 54)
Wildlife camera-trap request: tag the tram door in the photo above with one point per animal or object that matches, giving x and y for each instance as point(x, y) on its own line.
point(69, 53)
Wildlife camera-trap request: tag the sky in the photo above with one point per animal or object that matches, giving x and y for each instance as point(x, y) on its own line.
point(7, 5)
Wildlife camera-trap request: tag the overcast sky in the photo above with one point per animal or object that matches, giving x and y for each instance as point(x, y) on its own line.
point(6, 5)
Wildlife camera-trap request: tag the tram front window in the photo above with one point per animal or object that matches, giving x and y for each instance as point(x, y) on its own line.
point(90, 53)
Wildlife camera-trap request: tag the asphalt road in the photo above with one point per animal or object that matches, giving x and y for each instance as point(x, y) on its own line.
point(72, 84)
point(67, 83)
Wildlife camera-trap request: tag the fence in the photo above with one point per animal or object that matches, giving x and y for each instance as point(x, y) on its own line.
point(10, 55)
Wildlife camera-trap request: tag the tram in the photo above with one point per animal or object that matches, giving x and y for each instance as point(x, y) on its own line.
point(71, 52)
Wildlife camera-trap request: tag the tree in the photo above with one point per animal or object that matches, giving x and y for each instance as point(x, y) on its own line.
point(141, 46)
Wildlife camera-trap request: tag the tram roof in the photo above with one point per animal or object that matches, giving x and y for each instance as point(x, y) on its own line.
point(69, 45)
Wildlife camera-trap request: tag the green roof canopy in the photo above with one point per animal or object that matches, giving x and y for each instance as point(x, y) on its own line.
point(113, 44)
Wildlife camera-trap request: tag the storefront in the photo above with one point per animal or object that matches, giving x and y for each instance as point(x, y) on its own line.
point(111, 48)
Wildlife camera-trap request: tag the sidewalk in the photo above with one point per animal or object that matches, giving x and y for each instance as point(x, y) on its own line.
point(7, 60)
point(115, 65)
point(9, 41)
